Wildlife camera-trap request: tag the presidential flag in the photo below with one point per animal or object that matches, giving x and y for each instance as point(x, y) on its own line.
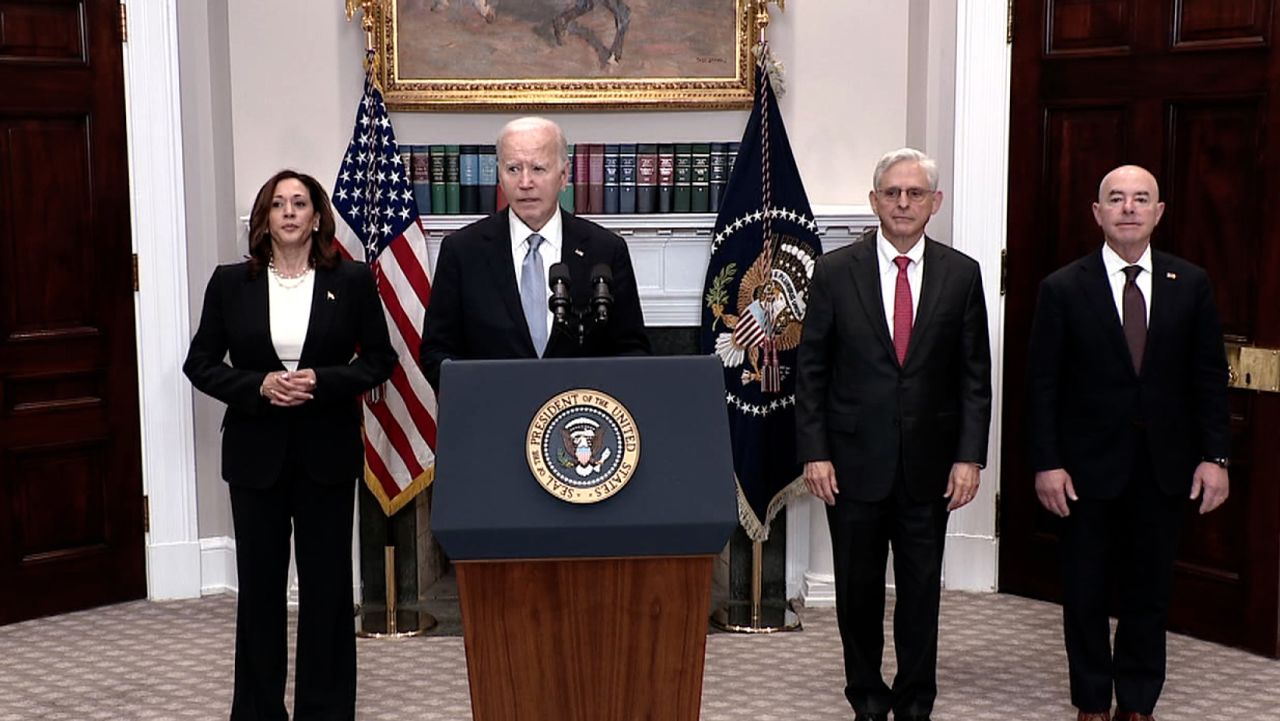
point(378, 224)
point(763, 251)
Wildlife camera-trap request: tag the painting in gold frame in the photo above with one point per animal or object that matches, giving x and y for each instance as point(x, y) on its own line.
point(450, 55)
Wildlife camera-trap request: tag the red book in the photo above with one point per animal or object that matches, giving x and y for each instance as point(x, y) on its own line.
point(595, 182)
point(580, 191)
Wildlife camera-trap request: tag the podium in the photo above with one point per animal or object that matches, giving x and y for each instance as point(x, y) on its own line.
point(584, 611)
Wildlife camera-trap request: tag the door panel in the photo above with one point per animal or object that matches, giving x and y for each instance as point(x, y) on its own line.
point(71, 527)
point(1186, 88)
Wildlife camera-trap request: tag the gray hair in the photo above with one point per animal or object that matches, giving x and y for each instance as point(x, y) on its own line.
point(533, 122)
point(893, 157)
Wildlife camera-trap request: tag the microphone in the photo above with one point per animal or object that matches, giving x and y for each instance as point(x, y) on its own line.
point(559, 302)
point(601, 296)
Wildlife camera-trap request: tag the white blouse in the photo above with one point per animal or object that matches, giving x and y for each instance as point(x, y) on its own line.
point(290, 310)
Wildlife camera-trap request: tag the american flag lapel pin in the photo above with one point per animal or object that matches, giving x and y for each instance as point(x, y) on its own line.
point(329, 294)
point(578, 252)
point(1171, 275)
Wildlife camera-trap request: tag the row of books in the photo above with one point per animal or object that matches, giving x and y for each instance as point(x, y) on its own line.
point(604, 178)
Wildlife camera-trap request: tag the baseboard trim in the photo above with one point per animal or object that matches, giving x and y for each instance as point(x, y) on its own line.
point(218, 565)
point(173, 570)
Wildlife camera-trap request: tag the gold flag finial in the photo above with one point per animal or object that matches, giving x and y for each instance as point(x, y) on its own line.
point(368, 8)
point(762, 16)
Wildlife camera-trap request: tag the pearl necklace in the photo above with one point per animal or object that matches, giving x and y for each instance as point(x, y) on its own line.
point(280, 277)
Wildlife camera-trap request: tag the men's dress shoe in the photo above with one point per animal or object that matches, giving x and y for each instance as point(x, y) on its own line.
point(1096, 716)
point(1133, 716)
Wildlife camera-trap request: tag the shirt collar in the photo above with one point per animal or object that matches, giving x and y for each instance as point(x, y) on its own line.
point(520, 232)
point(888, 252)
point(1112, 261)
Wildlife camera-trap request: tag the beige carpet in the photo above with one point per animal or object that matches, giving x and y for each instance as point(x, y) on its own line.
point(1001, 659)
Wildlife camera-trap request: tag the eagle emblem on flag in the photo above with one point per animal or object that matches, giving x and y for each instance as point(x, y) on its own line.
point(770, 308)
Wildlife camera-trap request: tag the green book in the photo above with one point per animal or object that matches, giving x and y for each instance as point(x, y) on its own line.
point(684, 179)
point(439, 206)
point(453, 179)
point(566, 193)
point(700, 185)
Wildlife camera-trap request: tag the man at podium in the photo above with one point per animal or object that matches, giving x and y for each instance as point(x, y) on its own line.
point(532, 281)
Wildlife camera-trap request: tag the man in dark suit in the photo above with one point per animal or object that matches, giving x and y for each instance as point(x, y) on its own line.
point(893, 403)
point(489, 297)
point(1128, 414)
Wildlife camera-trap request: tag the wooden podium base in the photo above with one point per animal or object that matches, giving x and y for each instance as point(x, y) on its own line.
point(618, 639)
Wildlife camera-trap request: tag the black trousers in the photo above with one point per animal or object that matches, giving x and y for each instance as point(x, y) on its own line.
point(861, 535)
point(319, 518)
point(1126, 545)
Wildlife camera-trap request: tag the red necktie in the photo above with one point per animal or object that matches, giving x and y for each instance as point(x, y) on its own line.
point(902, 310)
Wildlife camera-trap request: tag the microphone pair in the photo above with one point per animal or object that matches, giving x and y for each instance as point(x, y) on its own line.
point(561, 304)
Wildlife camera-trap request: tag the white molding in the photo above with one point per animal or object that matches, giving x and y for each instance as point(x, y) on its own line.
point(158, 219)
point(173, 569)
point(979, 215)
point(218, 565)
point(797, 547)
point(670, 253)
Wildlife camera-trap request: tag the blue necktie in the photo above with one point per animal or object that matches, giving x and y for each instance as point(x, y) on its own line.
point(533, 294)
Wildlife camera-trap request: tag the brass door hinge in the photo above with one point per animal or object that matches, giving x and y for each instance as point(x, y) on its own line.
point(1004, 270)
point(146, 514)
point(135, 272)
point(124, 24)
point(1254, 369)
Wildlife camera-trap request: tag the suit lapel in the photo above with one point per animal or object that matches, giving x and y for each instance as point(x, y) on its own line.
point(324, 306)
point(866, 278)
point(258, 315)
point(1164, 288)
point(573, 251)
point(497, 251)
point(1096, 287)
point(933, 280)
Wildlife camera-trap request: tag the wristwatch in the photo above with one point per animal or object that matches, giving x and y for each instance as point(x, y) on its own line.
point(1219, 462)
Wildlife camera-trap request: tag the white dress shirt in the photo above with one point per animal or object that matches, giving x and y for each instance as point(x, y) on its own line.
point(289, 308)
point(1115, 266)
point(549, 252)
point(889, 275)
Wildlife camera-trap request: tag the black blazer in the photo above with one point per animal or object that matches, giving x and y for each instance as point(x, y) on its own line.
point(1090, 412)
point(858, 408)
point(257, 437)
point(475, 307)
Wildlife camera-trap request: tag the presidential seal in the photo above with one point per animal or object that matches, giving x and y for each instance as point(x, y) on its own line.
point(582, 446)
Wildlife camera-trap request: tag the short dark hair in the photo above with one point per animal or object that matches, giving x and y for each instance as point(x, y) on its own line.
point(323, 252)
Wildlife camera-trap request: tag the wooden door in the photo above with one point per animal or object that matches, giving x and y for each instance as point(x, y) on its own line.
point(71, 522)
point(1188, 89)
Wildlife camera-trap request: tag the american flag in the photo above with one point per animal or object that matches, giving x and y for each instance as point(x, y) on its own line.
point(378, 223)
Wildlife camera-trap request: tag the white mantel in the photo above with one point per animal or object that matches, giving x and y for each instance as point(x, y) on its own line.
point(670, 253)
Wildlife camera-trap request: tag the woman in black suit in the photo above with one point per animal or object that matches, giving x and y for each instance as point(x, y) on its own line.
point(289, 340)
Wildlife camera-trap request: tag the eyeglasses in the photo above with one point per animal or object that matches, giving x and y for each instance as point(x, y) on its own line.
point(915, 195)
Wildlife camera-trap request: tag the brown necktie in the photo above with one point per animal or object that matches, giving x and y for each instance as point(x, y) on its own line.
point(1135, 316)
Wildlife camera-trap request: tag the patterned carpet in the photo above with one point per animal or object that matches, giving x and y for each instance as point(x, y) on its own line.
point(1001, 659)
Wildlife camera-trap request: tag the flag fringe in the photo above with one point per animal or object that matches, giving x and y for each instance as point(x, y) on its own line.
point(391, 505)
point(755, 529)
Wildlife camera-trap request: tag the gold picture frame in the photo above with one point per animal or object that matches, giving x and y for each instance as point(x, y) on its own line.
point(461, 55)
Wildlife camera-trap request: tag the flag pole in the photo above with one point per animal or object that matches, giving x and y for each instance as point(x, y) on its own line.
point(426, 621)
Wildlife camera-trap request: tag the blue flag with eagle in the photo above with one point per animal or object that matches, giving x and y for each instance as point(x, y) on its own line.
point(763, 252)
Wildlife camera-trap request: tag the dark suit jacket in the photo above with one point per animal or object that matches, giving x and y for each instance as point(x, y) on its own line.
point(858, 408)
point(257, 437)
point(475, 309)
point(1090, 412)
